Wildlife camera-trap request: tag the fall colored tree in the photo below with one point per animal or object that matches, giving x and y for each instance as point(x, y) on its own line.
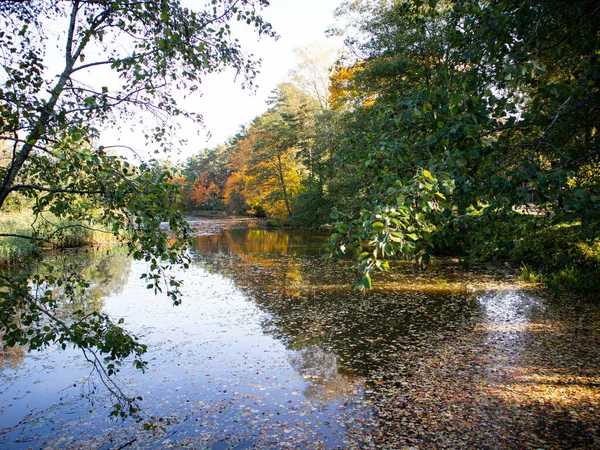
point(204, 190)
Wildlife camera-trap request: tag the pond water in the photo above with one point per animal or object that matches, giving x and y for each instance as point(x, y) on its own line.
point(271, 349)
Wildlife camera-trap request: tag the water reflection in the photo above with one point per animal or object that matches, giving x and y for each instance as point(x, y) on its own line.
point(271, 348)
point(311, 308)
point(105, 271)
point(439, 351)
point(251, 242)
point(11, 356)
point(320, 369)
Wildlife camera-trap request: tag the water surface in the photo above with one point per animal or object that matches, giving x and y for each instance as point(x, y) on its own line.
point(271, 349)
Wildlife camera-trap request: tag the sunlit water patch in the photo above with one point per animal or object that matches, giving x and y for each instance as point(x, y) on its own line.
point(509, 316)
point(509, 306)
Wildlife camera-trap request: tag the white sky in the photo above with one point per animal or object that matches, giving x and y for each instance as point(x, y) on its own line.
point(224, 105)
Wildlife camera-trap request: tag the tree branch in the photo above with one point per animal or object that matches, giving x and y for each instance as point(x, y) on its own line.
point(95, 360)
point(32, 187)
point(556, 116)
point(70, 34)
point(54, 233)
point(21, 141)
point(22, 236)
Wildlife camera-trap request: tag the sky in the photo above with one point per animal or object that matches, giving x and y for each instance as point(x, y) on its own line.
point(224, 105)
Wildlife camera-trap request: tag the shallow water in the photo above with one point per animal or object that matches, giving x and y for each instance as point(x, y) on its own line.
point(271, 349)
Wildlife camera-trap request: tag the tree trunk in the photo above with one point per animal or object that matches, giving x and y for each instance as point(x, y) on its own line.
point(34, 135)
point(283, 188)
point(41, 125)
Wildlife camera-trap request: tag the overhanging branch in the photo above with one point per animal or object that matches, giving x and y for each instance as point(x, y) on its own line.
point(33, 187)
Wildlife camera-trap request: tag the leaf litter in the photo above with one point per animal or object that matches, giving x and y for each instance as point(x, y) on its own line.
point(443, 358)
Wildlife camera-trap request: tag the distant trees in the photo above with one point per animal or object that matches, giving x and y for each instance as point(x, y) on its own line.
point(205, 177)
point(263, 169)
point(271, 174)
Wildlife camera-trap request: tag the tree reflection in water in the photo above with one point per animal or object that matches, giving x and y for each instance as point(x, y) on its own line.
point(320, 369)
point(335, 332)
point(106, 271)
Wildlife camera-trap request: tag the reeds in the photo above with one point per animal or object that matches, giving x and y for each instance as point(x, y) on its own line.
point(21, 236)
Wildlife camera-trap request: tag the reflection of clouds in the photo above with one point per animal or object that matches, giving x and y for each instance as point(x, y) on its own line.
point(319, 369)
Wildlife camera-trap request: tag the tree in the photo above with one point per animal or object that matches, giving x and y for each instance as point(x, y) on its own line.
point(468, 112)
point(203, 191)
point(52, 109)
point(311, 75)
point(264, 159)
point(206, 175)
point(270, 172)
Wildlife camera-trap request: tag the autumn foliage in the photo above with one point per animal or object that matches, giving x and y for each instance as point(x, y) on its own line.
point(204, 190)
point(261, 170)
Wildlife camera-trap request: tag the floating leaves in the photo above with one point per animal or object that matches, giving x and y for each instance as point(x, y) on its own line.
point(271, 350)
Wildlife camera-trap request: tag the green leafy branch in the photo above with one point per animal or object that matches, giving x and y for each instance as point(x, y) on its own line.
point(402, 226)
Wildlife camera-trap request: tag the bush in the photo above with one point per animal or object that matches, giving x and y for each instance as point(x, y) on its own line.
point(311, 209)
point(561, 255)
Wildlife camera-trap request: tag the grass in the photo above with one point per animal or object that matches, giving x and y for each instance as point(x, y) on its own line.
point(563, 256)
point(578, 279)
point(15, 249)
point(60, 233)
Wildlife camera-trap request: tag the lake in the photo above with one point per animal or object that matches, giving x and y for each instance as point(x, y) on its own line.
point(272, 349)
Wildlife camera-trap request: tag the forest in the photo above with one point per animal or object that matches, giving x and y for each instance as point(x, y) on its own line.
point(446, 128)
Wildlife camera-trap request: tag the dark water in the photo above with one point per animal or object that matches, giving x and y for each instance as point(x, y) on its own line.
point(270, 348)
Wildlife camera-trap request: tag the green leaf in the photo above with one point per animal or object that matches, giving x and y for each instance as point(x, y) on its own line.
point(377, 226)
point(366, 281)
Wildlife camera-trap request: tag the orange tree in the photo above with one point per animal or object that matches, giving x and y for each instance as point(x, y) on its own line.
point(266, 160)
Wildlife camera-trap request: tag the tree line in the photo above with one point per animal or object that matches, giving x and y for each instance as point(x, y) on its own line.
point(450, 127)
